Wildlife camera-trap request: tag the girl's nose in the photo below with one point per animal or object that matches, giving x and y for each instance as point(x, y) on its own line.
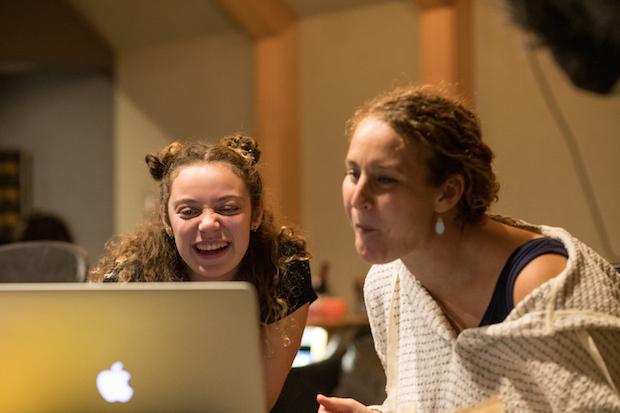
point(209, 222)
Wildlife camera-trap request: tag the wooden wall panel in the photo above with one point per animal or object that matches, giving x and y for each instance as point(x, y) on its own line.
point(446, 48)
point(272, 25)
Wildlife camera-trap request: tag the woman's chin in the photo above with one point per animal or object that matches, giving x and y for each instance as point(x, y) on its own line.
point(372, 256)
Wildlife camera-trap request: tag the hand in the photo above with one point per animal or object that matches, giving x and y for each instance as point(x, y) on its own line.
point(339, 405)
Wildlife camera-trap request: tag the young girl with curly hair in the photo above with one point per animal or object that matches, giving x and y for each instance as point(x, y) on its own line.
point(212, 225)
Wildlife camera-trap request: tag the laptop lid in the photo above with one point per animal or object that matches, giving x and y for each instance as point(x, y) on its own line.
point(145, 347)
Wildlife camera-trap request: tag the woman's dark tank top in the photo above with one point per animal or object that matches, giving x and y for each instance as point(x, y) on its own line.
point(502, 301)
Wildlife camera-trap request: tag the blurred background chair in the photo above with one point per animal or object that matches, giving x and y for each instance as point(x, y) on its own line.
point(43, 261)
point(304, 382)
point(350, 368)
point(361, 375)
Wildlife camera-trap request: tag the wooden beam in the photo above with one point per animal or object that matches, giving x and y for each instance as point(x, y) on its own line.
point(260, 18)
point(446, 44)
point(429, 4)
point(278, 121)
point(272, 26)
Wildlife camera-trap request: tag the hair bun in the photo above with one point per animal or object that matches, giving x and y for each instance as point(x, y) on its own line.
point(156, 167)
point(158, 163)
point(246, 146)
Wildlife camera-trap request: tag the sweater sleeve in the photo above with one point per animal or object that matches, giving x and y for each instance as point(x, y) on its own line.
point(377, 295)
point(374, 298)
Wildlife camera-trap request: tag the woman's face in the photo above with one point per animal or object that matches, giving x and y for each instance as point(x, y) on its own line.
point(385, 194)
point(210, 214)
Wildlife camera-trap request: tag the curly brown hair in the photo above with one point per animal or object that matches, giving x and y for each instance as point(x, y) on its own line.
point(149, 253)
point(449, 137)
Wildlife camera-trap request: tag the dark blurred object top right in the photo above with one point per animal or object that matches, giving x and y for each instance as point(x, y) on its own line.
point(583, 36)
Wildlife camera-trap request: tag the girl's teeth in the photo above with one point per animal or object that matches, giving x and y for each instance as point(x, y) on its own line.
point(211, 247)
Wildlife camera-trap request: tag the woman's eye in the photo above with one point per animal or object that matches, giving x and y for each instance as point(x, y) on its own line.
point(353, 174)
point(386, 180)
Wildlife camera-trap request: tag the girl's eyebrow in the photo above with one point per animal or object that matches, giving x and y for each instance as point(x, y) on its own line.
point(191, 200)
point(229, 198)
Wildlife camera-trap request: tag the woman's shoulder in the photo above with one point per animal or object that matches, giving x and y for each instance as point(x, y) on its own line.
point(578, 252)
point(587, 281)
point(570, 243)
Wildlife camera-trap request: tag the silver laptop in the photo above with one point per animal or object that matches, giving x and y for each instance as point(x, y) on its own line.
point(143, 347)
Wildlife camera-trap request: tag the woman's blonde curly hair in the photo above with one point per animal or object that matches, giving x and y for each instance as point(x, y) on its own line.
point(149, 253)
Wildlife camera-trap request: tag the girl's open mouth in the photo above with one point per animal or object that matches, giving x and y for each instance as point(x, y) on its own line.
point(211, 248)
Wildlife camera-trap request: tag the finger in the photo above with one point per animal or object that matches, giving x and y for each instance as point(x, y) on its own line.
point(328, 404)
point(320, 398)
point(335, 404)
point(324, 403)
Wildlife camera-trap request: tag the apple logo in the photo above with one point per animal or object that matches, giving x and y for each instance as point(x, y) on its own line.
point(113, 384)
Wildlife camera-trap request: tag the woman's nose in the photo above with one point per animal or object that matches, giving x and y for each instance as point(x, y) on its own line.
point(360, 197)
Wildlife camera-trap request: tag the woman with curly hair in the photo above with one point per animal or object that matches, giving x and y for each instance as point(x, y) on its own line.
point(212, 225)
point(465, 306)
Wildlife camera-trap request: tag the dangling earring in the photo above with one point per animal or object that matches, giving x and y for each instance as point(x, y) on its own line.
point(440, 227)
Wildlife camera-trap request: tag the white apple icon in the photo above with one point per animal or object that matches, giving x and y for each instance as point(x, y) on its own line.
point(113, 384)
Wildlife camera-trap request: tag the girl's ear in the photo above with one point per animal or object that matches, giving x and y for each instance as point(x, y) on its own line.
point(257, 219)
point(165, 223)
point(168, 230)
point(450, 193)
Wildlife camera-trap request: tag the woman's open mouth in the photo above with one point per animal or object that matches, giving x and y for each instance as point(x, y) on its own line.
point(363, 229)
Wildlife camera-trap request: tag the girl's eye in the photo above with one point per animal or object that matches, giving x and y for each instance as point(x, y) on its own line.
point(228, 209)
point(187, 212)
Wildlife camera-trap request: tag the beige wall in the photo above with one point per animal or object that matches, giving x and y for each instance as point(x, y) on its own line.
point(204, 87)
point(538, 177)
point(196, 88)
point(62, 121)
point(350, 56)
point(346, 58)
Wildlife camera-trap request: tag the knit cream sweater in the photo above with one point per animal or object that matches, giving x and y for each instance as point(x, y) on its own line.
point(557, 351)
